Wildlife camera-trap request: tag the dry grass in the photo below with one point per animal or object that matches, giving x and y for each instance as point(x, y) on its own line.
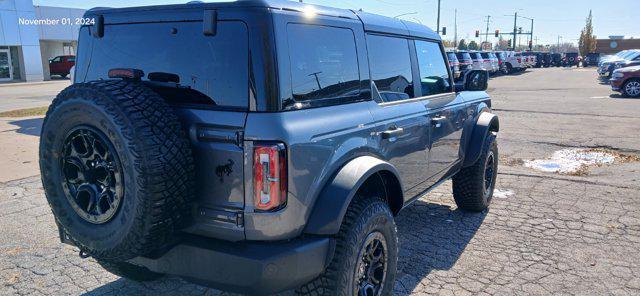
point(37, 111)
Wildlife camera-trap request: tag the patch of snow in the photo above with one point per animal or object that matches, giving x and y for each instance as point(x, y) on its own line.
point(497, 193)
point(570, 160)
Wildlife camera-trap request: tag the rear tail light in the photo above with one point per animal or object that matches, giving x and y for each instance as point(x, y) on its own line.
point(269, 176)
point(519, 60)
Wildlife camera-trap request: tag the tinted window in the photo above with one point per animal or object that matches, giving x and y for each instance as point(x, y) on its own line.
point(212, 70)
point(463, 56)
point(434, 75)
point(71, 59)
point(56, 59)
point(324, 62)
point(390, 67)
point(484, 55)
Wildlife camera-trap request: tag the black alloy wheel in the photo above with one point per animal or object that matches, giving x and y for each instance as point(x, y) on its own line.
point(489, 173)
point(371, 266)
point(92, 175)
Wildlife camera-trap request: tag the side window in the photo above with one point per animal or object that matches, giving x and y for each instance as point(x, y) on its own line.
point(324, 63)
point(434, 75)
point(390, 65)
point(71, 59)
point(56, 59)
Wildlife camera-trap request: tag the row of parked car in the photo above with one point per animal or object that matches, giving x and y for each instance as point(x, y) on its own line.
point(508, 62)
point(623, 72)
point(495, 62)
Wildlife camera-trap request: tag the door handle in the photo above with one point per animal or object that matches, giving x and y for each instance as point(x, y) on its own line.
point(391, 132)
point(437, 121)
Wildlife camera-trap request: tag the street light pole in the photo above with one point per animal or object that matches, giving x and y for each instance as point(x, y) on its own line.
point(438, 24)
point(455, 28)
point(515, 29)
point(531, 36)
point(486, 36)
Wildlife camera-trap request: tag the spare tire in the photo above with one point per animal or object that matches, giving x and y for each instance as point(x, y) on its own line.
point(117, 168)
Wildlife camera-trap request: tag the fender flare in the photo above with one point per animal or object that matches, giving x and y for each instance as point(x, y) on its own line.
point(334, 199)
point(487, 122)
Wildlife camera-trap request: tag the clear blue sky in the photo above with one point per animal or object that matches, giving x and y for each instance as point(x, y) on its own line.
point(552, 17)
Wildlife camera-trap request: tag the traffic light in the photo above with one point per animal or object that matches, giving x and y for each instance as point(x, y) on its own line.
point(520, 30)
point(477, 33)
point(444, 30)
point(509, 42)
point(497, 33)
point(530, 43)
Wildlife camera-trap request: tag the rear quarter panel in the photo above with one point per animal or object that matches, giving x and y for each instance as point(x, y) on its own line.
point(319, 141)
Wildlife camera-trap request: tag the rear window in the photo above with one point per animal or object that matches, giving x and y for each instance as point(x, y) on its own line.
point(452, 57)
point(484, 55)
point(212, 70)
point(324, 63)
point(463, 56)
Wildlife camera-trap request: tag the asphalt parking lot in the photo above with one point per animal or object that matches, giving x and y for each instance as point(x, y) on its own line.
point(545, 233)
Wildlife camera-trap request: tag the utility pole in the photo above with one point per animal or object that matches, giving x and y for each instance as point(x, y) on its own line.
point(515, 29)
point(531, 37)
point(455, 28)
point(438, 24)
point(486, 36)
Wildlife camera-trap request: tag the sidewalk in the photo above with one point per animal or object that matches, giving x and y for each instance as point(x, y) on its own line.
point(19, 140)
point(24, 95)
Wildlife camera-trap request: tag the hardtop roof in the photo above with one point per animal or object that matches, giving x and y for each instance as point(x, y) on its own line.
point(371, 22)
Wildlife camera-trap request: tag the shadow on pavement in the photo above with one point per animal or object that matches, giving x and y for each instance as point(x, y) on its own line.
point(431, 236)
point(31, 127)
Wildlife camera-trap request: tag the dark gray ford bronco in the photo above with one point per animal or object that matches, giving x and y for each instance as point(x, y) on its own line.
point(259, 146)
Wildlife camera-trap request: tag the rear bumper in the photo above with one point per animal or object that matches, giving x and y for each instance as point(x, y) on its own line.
point(245, 267)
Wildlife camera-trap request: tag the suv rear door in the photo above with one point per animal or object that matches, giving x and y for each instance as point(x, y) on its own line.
point(402, 119)
point(206, 79)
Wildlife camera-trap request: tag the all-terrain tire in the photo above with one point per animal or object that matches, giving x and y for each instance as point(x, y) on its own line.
point(157, 167)
point(130, 271)
point(472, 190)
point(364, 217)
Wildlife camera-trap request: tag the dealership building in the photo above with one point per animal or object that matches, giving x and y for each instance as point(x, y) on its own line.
point(32, 35)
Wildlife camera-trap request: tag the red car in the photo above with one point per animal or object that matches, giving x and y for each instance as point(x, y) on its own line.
point(627, 81)
point(61, 65)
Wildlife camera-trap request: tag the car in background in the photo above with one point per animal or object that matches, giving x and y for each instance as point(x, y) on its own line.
point(556, 59)
point(626, 81)
point(478, 61)
point(513, 61)
point(502, 56)
point(630, 58)
point(531, 59)
point(454, 64)
point(466, 62)
point(545, 59)
point(492, 65)
point(571, 59)
point(591, 59)
point(61, 65)
point(614, 57)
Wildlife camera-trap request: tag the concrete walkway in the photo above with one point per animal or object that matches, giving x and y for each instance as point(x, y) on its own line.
point(15, 96)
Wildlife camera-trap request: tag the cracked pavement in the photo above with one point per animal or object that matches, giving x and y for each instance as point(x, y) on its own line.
point(556, 234)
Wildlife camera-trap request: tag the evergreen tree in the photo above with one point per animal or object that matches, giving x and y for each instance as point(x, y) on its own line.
point(462, 45)
point(587, 41)
point(473, 45)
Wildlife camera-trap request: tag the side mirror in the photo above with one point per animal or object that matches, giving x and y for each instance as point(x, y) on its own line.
point(476, 80)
